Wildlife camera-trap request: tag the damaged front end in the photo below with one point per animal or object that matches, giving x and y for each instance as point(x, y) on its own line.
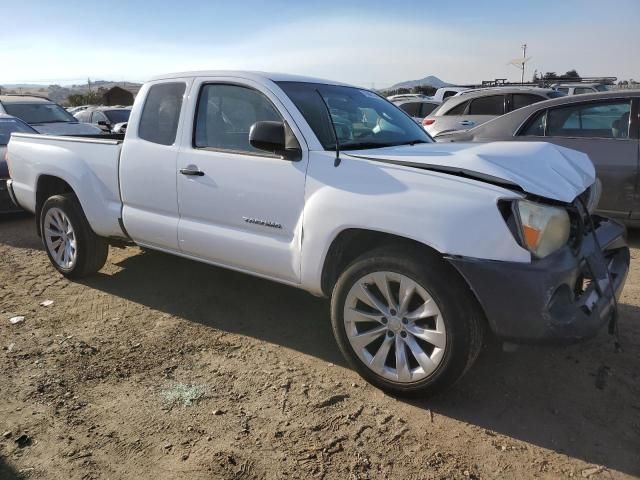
point(566, 295)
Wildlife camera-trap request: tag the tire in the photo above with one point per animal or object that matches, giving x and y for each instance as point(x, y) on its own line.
point(90, 252)
point(455, 326)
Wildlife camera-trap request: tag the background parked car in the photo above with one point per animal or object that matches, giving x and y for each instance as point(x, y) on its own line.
point(462, 112)
point(407, 96)
point(580, 88)
point(418, 108)
point(605, 126)
point(44, 116)
point(8, 125)
point(108, 119)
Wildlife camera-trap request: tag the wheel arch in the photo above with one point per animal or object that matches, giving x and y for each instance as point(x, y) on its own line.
point(350, 243)
point(46, 187)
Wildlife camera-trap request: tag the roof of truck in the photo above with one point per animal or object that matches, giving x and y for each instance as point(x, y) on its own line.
point(258, 76)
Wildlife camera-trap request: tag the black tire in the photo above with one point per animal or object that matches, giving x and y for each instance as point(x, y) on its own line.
point(92, 250)
point(462, 315)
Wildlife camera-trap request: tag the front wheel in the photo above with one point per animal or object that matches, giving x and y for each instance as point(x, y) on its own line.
point(406, 321)
point(72, 246)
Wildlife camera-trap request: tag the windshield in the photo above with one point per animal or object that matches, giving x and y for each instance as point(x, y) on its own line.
point(34, 113)
point(362, 119)
point(602, 88)
point(10, 125)
point(118, 116)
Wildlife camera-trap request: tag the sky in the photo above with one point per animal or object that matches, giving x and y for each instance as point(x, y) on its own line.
point(368, 43)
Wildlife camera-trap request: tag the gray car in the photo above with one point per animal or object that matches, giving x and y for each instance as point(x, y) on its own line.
point(467, 110)
point(605, 126)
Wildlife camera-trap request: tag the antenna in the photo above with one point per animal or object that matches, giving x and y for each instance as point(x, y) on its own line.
point(520, 63)
point(333, 127)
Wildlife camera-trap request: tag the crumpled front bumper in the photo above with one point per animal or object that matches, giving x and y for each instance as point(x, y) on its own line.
point(561, 298)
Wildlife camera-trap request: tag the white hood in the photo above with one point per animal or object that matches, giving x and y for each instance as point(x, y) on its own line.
point(66, 128)
point(538, 168)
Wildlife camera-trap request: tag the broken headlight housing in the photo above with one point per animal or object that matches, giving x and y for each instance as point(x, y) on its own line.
point(540, 228)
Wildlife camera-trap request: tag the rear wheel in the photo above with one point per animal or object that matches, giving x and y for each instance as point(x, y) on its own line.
point(72, 246)
point(406, 321)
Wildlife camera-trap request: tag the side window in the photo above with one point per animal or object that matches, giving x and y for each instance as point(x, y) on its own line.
point(563, 90)
point(82, 116)
point(492, 105)
point(412, 108)
point(161, 113)
point(458, 109)
point(98, 117)
point(535, 126)
point(523, 99)
point(225, 115)
point(426, 109)
point(595, 120)
point(580, 90)
point(448, 93)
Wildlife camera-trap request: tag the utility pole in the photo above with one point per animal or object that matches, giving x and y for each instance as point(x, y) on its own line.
point(524, 60)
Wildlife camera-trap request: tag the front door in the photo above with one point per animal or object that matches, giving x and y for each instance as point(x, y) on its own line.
point(239, 207)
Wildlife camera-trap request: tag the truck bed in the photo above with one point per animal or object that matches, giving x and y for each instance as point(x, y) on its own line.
point(88, 164)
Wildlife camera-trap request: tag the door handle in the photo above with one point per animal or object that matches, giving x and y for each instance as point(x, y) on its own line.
point(192, 171)
point(466, 123)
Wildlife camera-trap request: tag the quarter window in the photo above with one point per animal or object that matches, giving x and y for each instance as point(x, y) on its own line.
point(458, 109)
point(536, 126)
point(523, 99)
point(581, 90)
point(595, 120)
point(426, 109)
point(161, 113)
point(225, 115)
point(412, 108)
point(492, 105)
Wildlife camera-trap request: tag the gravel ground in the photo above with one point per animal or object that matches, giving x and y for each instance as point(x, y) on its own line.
point(159, 367)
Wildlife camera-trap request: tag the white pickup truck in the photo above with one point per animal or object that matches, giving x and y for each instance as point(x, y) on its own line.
point(422, 247)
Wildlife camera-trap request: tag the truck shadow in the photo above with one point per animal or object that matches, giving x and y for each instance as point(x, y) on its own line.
point(7, 472)
point(544, 396)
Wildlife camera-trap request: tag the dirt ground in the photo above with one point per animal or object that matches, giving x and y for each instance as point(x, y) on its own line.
point(163, 368)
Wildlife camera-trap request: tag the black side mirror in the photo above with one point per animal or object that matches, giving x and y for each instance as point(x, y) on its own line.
point(275, 137)
point(104, 124)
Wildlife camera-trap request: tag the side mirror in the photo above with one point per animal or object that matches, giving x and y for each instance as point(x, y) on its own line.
point(275, 137)
point(104, 125)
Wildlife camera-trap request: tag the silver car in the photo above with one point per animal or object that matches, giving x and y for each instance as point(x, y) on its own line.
point(605, 126)
point(468, 110)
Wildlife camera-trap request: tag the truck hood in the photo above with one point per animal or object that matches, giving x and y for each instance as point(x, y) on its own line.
point(538, 168)
point(66, 128)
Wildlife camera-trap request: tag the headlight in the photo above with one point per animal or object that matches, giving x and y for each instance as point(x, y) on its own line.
point(544, 229)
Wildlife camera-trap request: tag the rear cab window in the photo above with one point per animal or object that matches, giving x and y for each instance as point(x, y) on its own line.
point(161, 113)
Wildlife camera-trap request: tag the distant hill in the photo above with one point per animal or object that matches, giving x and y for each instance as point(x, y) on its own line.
point(430, 80)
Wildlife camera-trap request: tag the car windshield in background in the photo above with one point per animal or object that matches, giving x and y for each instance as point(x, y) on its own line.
point(602, 88)
point(362, 119)
point(556, 94)
point(10, 125)
point(34, 113)
point(118, 116)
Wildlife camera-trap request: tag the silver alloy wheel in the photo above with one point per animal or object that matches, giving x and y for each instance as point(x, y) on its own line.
point(60, 238)
point(394, 326)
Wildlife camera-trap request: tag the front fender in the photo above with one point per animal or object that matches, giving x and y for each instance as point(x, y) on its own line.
point(452, 215)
